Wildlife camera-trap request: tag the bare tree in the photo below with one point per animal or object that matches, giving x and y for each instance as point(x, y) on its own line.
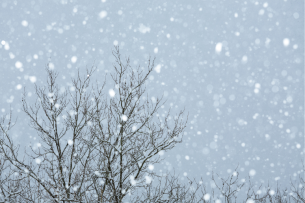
point(169, 189)
point(130, 133)
point(256, 194)
point(10, 180)
point(63, 157)
point(298, 189)
point(96, 148)
point(229, 187)
point(93, 149)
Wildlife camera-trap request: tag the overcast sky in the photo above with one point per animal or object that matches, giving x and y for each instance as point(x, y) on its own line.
point(237, 67)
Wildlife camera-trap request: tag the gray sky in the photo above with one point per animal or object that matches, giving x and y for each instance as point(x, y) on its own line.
point(237, 67)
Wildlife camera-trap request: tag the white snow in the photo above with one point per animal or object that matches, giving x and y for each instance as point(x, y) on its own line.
point(218, 47)
point(143, 29)
point(244, 59)
point(206, 197)
point(24, 23)
point(156, 50)
point(148, 179)
point(73, 59)
point(111, 93)
point(38, 161)
point(33, 79)
point(103, 14)
point(271, 192)
point(286, 42)
point(18, 64)
point(97, 173)
point(132, 180)
point(19, 86)
point(158, 68)
point(252, 172)
point(134, 128)
point(124, 118)
point(250, 201)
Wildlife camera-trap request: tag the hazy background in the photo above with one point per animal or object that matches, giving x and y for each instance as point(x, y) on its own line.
point(237, 67)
